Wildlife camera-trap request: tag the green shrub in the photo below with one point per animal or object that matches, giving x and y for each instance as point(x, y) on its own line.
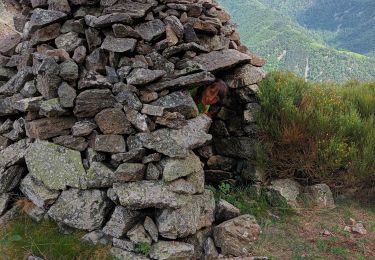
point(143, 248)
point(318, 132)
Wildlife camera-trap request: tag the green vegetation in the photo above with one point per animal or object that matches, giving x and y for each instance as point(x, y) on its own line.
point(274, 29)
point(23, 237)
point(143, 248)
point(318, 132)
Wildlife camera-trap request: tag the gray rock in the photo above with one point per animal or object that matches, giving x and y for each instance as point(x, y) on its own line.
point(35, 191)
point(284, 192)
point(4, 202)
point(153, 172)
point(93, 79)
point(177, 168)
point(121, 221)
point(121, 254)
point(28, 104)
point(46, 34)
point(81, 209)
point(57, 167)
point(41, 18)
point(180, 102)
point(184, 82)
point(68, 41)
point(6, 73)
point(83, 128)
point(161, 63)
point(16, 83)
point(138, 235)
point(69, 70)
point(8, 44)
point(154, 157)
point(151, 30)
point(142, 76)
point(36, 213)
point(137, 119)
point(13, 154)
point(128, 172)
point(59, 5)
point(191, 46)
point(182, 222)
point(107, 20)
point(133, 155)
point(52, 108)
point(172, 120)
point(71, 142)
point(151, 228)
point(244, 76)
point(147, 194)
point(133, 8)
point(79, 54)
point(93, 39)
point(96, 237)
point(209, 248)
point(91, 102)
point(124, 31)
point(237, 236)
point(221, 60)
point(67, 95)
point(29, 89)
point(10, 178)
point(152, 110)
point(4, 142)
point(171, 250)
point(321, 195)
point(129, 99)
point(176, 25)
point(225, 211)
point(120, 45)
point(110, 144)
point(250, 172)
point(123, 244)
point(98, 176)
point(113, 121)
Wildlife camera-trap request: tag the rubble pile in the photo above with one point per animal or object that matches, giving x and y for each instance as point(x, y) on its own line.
point(99, 131)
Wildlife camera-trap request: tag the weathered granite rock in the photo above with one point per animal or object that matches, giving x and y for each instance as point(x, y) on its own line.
point(284, 192)
point(71, 142)
point(36, 213)
point(221, 60)
point(120, 254)
point(10, 178)
point(132, 156)
point(123, 244)
point(144, 76)
point(8, 44)
point(67, 95)
point(110, 143)
point(177, 168)
point(13, 154)
point(138, 235)
point(16, 83)
point(121, 221)
point(225, 211)
point(87, 104)
point(49, 127)
point(69, 70)
point(57, 167)
point(168, 250)
point(41, 18)
point(184, 82)
point(151, 228)
point(96, 237)
point(128, 172)
point(4, 202)
point(69, 41)
point(124, 31)
point(321, 195)
point(137, 119)
point(191, 46)
point(147, 194)
point(28, 104)
point(46, 34)
point(180, 102)
point(35, 191)
point(113, 121)
point(185, 221)
point(129, 99)
point(244, 76)
point(237, 236)
point(119, 44)
point(82, 209)
point(107, 20)
point(151, 30)
point(52, 108)
point(83, 128)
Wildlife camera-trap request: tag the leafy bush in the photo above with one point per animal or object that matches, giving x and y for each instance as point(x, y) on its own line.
point(318, 132)
point(143, 248)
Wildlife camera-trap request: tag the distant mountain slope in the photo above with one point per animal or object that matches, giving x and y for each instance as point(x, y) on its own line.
point(271, 30)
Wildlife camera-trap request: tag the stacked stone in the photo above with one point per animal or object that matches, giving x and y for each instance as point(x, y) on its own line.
point(98, 129)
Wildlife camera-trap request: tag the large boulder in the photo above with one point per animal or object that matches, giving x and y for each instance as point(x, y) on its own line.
point(237, 236)
point(56, 166)
point(82, 209)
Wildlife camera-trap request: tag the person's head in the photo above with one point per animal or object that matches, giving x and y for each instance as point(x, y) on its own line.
point(214, 93)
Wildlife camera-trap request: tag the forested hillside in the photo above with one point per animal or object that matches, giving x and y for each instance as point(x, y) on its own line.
point(318, 39)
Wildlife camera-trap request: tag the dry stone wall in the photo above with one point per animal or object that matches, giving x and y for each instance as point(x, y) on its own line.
point(98, 129)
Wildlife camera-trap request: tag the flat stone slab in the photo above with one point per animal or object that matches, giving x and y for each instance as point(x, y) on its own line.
point(41, 18)
point(13, 154)
point(222, 60)
point(133, 8)
point(56, 166)
point(120, 45)
point(81, 209)
point(150, 30)
point(168, 250)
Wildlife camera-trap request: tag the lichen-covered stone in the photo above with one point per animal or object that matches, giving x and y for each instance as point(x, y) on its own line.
point(13, 154)
point(170, 250)
point(56, 166)
point(177, 168)
point(284, 192)
point(82, 209)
